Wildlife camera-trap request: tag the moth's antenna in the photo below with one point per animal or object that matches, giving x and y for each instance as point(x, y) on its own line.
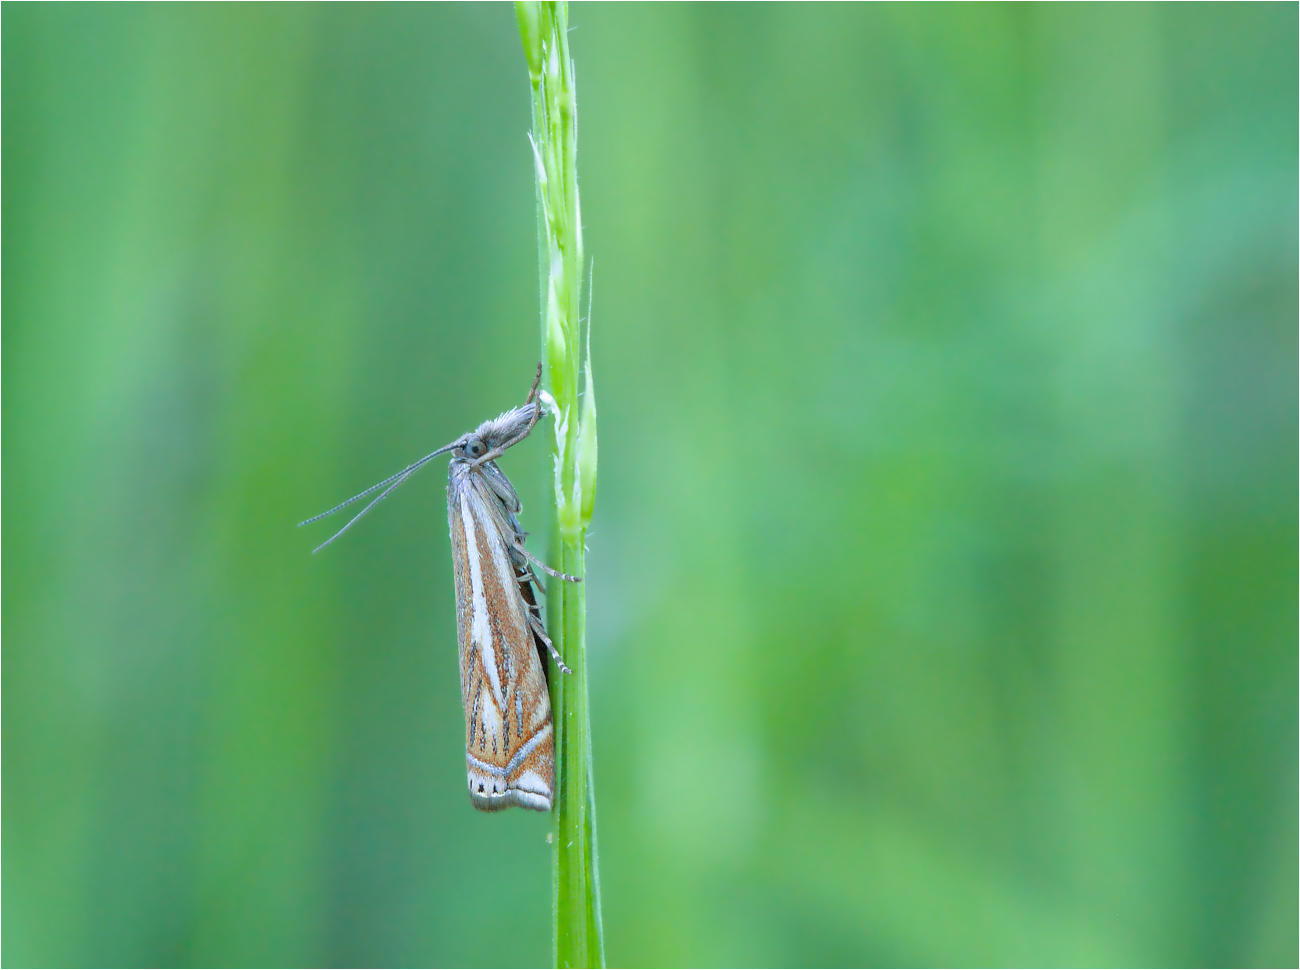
point(396, 480)
point(343, 505)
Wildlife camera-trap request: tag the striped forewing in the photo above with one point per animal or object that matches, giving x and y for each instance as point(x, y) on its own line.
point(509, 744)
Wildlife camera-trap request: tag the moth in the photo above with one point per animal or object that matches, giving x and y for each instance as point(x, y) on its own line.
point(509, 737)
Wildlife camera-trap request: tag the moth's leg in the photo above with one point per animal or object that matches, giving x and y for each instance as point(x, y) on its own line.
point(536, 380)
point(497, 452)
point(540, 629)
point(545, 568)
point(527, 577)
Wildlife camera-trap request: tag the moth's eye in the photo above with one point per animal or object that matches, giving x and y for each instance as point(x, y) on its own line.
point(474, 447)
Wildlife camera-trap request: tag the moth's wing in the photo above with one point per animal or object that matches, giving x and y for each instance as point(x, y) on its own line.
point(509, 743)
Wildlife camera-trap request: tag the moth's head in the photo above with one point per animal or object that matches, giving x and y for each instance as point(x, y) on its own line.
point(500, 432)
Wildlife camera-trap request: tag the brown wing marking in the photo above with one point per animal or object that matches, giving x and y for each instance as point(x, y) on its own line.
point(507, 763)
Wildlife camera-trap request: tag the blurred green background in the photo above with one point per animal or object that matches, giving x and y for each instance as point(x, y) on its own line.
point(943, 578)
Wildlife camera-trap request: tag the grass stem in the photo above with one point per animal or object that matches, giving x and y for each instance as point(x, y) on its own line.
point(543, 27)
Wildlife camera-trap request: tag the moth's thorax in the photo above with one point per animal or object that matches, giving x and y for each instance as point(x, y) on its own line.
point(487, 479)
